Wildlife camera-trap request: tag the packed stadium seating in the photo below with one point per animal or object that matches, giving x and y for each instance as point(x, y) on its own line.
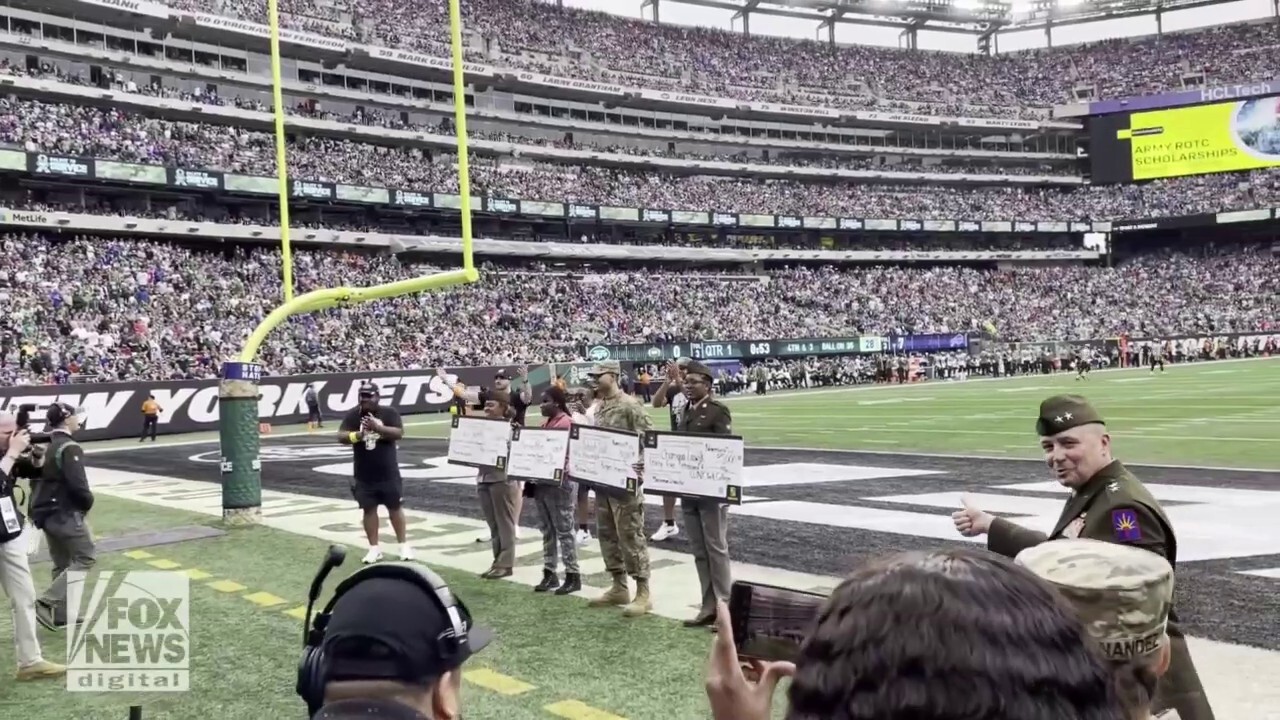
point(117, 308)
point(120, 135)
point(545, 38)
point(114, 309)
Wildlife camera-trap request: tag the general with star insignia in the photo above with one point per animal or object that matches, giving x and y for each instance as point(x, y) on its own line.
point(1107, 503)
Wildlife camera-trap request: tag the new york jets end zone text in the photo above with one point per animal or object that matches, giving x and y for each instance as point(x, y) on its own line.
point(113, 409)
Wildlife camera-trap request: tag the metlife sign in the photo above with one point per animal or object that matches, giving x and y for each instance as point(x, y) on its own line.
point(114, 410)
point(42, 164)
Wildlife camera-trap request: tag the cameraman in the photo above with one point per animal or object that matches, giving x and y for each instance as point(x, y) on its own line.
point(60, 499)
point(15, 572)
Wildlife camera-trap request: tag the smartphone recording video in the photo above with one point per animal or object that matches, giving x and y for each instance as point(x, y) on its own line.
point(769, 622)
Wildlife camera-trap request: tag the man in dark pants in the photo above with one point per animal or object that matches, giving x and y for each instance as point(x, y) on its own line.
point(314, 419)
point(60, 500)
point(1107, 503)
point(150, 417)
point(372, 430)
point(706, 520)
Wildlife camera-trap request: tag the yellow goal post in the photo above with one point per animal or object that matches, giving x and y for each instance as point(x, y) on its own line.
point(238, 428)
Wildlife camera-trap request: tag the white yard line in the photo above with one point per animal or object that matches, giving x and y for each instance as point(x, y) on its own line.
point(906, 428)
point(181, 443)
point(977, 456)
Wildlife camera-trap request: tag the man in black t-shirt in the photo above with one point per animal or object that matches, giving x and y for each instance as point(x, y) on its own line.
point(372, 430)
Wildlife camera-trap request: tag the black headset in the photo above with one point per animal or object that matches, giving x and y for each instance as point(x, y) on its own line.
point(58, 413)
point(313, 668)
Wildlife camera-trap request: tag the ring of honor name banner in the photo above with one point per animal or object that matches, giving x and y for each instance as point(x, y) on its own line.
point(479, 442)
point(1214, 138)
point(693, 465)
point(604, 457)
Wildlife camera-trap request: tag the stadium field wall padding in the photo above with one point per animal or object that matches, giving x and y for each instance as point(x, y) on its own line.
point(114, 410)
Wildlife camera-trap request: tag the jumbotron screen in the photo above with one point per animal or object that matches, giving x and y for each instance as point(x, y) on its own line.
point(1222, 137)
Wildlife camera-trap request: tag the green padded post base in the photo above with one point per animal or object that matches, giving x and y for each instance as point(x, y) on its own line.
point(240, 444)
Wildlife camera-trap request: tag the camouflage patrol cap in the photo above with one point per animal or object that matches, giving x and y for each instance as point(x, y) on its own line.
point(606, 366)
point(1063, 412)
point(1122, 593)
point(697, 368)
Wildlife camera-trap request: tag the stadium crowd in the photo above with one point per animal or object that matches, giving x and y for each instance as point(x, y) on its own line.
point(116, 309)
point(596, 46)
point(117, 135)
point(373, 117)
point(195, 210)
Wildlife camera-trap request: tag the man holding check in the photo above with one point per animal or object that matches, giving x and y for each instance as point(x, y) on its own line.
point(706, 519)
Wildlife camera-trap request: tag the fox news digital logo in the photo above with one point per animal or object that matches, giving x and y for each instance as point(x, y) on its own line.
point(128, 631)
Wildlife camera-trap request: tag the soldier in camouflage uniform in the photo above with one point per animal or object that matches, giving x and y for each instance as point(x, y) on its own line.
point(619, 516)
point(1107, 503)
point(1123, 594)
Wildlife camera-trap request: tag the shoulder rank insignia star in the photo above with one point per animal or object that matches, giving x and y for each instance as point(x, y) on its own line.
point(1113, 486)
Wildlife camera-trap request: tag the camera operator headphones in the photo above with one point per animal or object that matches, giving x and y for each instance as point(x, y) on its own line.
point(313, 668)
point(59, 412)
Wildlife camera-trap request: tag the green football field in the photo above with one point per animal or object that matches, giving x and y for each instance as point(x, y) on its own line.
point(557, 658)
point(1211, 414)
point(1208, 414)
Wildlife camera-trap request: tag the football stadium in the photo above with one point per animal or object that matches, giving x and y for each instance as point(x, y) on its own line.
point(245, 241)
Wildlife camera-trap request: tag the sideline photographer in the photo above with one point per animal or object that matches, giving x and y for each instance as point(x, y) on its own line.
point(15, 570)
point(60, 499)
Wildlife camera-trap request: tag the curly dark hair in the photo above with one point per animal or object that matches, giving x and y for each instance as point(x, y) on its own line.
point(558, 397)
point(956, 635)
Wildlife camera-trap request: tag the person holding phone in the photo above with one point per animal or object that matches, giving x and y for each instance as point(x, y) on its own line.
point(706, 520)
point(993, 640)
point(373, 431)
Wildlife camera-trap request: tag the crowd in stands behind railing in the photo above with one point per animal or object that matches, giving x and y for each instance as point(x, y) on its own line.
point(373, 117)
point(591, 45)
point(117, 135)
point(193, 209)
point(118, 309)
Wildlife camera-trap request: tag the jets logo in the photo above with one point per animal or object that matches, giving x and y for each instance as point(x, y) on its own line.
point(284, 453)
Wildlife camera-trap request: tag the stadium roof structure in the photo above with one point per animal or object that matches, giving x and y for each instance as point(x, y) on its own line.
point(980, 18)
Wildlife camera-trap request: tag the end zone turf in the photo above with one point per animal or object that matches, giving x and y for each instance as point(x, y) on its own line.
point(550, 650)
point(246, 638)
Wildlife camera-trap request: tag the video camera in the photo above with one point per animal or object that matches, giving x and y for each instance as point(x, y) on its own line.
point(24, 420)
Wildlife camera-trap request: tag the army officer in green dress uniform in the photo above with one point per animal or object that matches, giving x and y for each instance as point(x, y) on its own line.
point(1107, 503)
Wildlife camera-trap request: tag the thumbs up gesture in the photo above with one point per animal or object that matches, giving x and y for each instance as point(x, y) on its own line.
point(969, 520)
